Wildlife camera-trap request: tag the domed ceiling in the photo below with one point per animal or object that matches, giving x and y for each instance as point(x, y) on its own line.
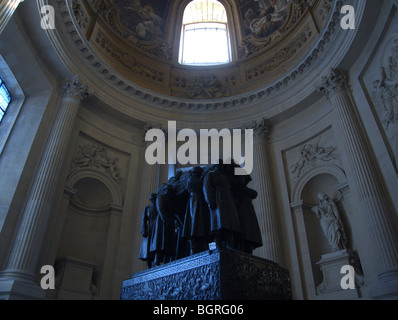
point(140, 40)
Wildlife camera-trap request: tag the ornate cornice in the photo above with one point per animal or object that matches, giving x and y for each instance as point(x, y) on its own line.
point(102, 72)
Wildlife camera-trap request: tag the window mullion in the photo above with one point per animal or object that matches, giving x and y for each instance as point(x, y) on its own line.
point(209, 30)
point(5, 99)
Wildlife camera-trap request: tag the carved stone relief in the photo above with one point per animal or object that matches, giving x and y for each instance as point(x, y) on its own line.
point(222, 274)
point(202, 284)
point(385, 95)
point(208, 87)
point(311, 155)
point(94, 156)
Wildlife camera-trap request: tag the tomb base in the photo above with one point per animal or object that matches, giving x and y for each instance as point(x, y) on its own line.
point(222, 274)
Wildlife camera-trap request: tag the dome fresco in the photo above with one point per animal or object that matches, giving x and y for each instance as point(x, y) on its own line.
point(140, 39)
point(144, 19)
point(263, 17)
point(103, 114)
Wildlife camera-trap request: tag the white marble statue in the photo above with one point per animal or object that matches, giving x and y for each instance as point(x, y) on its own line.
point(331, 222)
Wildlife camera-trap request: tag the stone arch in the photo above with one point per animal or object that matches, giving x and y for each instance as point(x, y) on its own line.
point(329, 178)
point(89, 241)
point(82, 173)
point(331, 169)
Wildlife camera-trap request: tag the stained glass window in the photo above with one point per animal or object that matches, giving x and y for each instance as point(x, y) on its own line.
point(204, 39)
point(5, 99)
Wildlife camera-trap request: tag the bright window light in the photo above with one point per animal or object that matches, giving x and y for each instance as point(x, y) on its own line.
point(5, 99)
point(204, 38)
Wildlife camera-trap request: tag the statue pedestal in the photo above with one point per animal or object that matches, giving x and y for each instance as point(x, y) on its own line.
point(331, 265)
point(222, 274)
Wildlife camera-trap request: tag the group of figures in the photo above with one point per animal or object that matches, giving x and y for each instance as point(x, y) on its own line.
point(264, 17)
point(198, 207)
point(142, 17)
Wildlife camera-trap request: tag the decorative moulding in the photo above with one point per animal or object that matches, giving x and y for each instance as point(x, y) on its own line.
point(108, 84)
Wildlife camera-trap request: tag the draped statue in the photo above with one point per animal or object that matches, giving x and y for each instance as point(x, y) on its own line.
point(331, 222)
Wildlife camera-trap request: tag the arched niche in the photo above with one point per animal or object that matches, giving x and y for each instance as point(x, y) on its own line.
point(92, 173)
point(325, 169)
point(88, 244)
point(317, 242)
point(327, 178)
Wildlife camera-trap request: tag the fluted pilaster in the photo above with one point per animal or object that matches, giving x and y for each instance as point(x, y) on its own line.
point(150, 175)
point(265, 201)
point(7, 8)
point(26, 247)
point(365, 173)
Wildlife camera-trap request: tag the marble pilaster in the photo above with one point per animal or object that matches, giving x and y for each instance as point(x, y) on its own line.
point(7, 8)
point(25, 249)
point(265, 201)
point(367, 179)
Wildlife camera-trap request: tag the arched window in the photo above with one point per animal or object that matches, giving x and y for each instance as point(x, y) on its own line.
point(5, 99)
point(11, 101)
point(204, 37)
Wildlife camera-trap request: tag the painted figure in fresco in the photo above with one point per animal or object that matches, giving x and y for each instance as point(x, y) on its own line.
point(151, 26)
point(264, 17)
point(142, 17)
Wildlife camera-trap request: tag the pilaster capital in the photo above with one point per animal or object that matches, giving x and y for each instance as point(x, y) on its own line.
point(147, 127)
point(74, 88)
point(336, 81)
point(261, 129)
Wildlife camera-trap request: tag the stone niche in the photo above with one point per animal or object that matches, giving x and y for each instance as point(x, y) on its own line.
point(222, 274)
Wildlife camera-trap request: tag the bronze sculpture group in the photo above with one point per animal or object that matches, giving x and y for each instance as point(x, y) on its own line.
point(195, 208)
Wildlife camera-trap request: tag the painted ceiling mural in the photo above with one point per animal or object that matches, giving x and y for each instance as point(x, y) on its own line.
point(263, 17)
point(138, 39)
point(144, 18)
